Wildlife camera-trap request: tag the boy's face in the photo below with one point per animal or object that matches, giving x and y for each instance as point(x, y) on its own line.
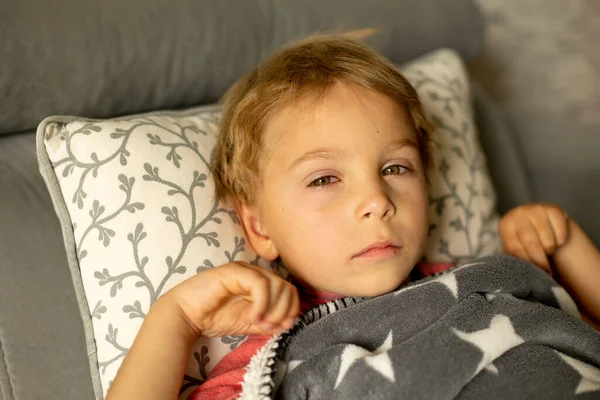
point(342, 176)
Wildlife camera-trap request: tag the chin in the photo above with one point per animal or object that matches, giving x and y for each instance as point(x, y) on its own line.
point(376, 287)
point(383, 280)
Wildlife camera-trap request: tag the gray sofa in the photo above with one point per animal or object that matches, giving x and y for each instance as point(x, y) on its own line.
point(107, 58)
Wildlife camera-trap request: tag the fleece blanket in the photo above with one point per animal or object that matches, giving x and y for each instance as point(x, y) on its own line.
point(495, 328)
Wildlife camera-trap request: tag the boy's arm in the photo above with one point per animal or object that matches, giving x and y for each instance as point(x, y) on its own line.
point(544, 235)
point(233, 299)
point(155, 364)
point(577, 268)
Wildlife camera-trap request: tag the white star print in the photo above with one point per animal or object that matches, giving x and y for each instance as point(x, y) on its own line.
point(491, 368)
point(590, 376)
point(283, 369)
point(491, 296)
point(565, 302)
point(497, 293)
point(293, 364)
point(448, 280)
point(379, 360)
point(493, 341)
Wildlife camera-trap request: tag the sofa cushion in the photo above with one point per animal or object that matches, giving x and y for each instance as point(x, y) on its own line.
point(109, 58)
point(42, 347)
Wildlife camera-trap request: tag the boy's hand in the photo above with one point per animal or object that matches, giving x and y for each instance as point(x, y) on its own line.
point(533, 232)
point(236, 299)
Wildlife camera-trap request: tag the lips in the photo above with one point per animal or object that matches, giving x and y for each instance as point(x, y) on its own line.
point(378, 250)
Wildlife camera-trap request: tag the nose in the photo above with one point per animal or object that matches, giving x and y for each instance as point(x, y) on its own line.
point(375, 203)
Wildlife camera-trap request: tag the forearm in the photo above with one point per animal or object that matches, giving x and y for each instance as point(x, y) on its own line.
point(155, 364)
point(577, 268)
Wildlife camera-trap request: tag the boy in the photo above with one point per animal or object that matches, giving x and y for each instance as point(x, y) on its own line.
point(323, 151)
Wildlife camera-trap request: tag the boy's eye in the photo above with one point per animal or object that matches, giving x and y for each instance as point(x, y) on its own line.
point(323, 181)
point(394, 170)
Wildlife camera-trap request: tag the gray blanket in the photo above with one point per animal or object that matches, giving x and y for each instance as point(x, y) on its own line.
point(496, 328)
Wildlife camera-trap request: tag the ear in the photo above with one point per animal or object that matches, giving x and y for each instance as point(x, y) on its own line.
point(256, 233)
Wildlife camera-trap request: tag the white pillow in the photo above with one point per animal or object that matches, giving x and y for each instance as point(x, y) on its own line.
point(135, 199)
point(462, 201)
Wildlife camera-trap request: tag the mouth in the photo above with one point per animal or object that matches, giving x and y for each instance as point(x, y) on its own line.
point(378, 251)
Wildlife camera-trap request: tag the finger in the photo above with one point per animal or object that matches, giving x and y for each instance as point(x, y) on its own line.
point(535, 252)
point(281, 300)
point(559, 221)
point(510, 242)
point(263, 296)
point(539, 257)
point(293, 311)
point(293, 308)
point(515, 249)
point(541, 224)
point(278, 285)
point(263, 328)
point(255, 287)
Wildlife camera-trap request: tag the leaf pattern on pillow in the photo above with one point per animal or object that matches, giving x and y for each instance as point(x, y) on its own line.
point(462, 214)
point(113, 212)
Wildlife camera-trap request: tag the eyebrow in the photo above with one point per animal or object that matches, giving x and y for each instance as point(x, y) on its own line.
point(329, 154)
point(400, 143)
point(316, 154)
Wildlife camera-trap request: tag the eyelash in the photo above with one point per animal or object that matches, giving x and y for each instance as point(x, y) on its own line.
point(402, 168)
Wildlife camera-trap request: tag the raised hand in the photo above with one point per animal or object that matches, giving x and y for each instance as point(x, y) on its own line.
point(237, 299)
point(534, 232)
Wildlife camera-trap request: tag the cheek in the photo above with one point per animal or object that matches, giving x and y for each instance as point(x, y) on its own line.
point(315, 218)
point(310, 219)
point(421, 217)
point(414, 208)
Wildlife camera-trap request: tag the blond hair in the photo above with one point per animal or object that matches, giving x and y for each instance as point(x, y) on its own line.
point(304, 69)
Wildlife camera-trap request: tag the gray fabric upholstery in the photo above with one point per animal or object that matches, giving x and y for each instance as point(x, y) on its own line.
point(563, 163)
point(504, 157)
point(537, 158)
point(106, 58)
point(42, 346)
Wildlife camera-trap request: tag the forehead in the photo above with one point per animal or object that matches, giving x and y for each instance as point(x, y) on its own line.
point(345, 117)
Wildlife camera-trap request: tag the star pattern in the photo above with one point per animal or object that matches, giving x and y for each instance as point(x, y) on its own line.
point(498, 293)
point(379, 360)
point(447, 279)
point(493, 341)
point(565, 302)
point(283, 369)
point(590, 376)
point(293, 364)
